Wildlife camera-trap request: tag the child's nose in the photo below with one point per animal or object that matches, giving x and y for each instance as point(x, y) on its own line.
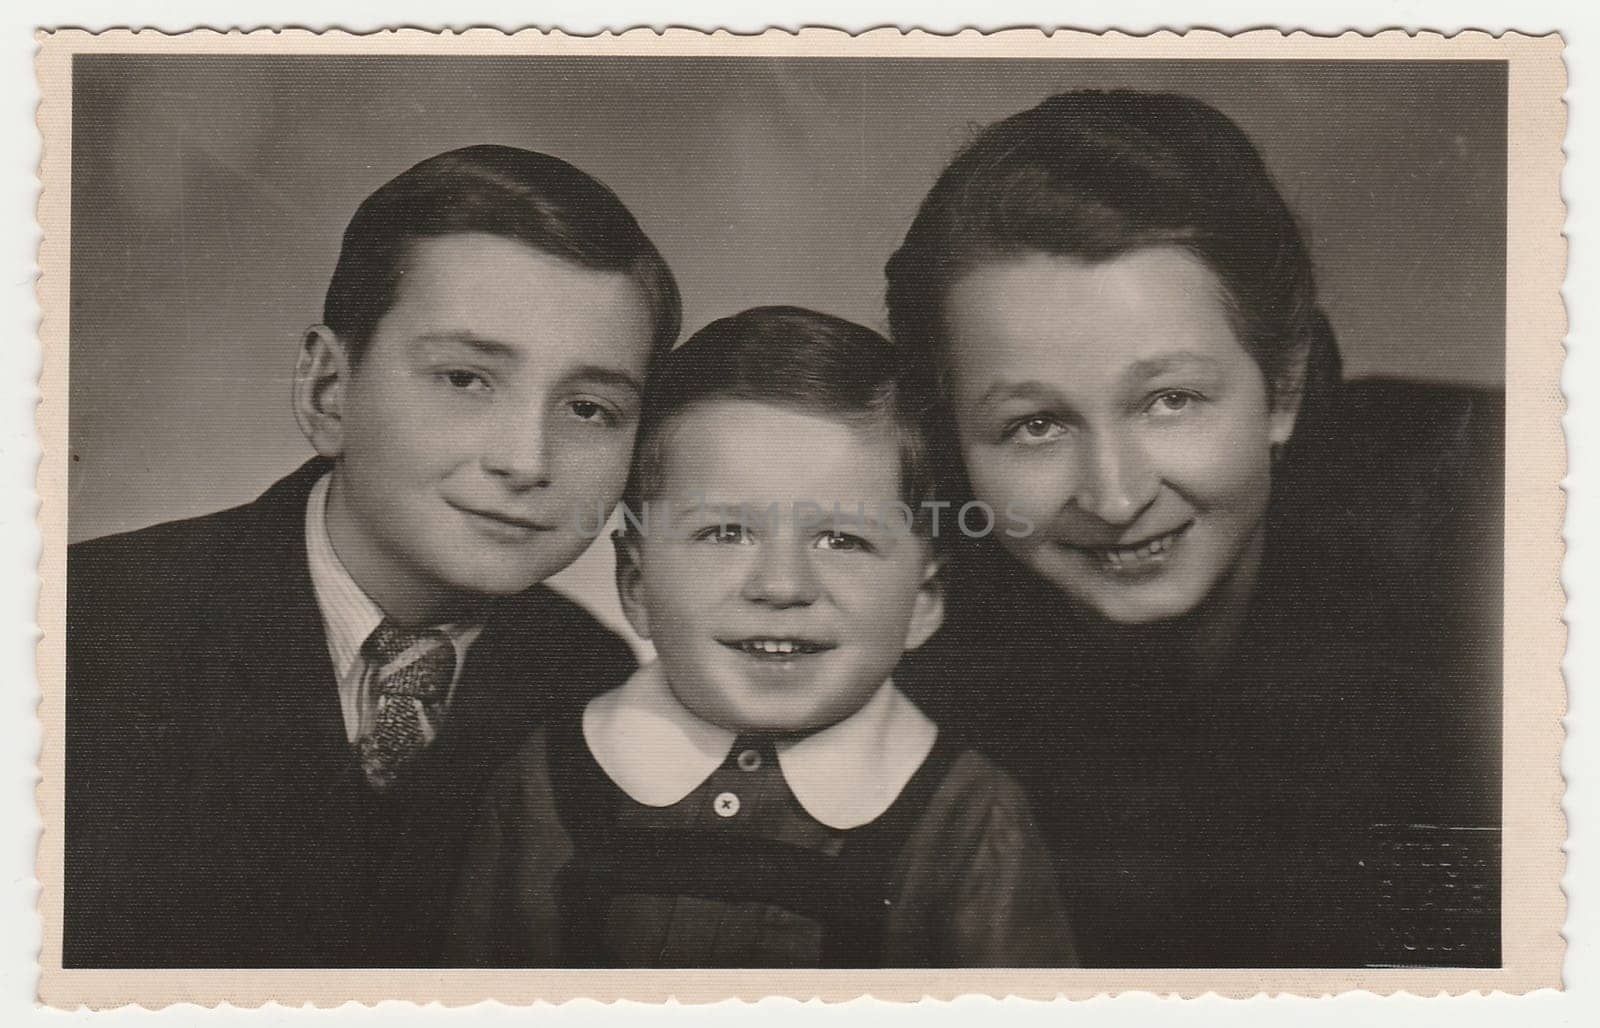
point(781, 576)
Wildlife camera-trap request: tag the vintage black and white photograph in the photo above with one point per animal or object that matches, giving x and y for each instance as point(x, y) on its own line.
point(566, 510)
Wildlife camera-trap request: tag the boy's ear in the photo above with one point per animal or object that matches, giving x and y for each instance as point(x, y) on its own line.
point(321, 375)
point(927, 614)
point(630, 581)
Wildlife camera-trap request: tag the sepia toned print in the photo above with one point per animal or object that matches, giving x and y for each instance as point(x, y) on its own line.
point(804, 515)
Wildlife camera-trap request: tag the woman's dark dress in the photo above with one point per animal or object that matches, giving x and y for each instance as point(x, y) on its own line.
point(1332, 798)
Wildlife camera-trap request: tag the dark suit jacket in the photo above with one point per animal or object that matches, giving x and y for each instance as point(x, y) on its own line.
point(215, 813)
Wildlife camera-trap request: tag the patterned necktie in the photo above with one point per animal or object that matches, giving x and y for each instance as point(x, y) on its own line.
point(414, 670)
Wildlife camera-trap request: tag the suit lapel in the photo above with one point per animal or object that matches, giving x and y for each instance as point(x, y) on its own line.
point(273, 780)
point(268, 632)
point(505, 681)
point(281, 825)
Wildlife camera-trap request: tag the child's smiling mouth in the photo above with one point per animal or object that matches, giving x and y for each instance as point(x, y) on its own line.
point(776, 647)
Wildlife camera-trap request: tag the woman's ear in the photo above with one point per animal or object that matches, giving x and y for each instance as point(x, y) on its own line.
point(321, 375)
point(630, 581)
point(1285, 396)
point(927, 613)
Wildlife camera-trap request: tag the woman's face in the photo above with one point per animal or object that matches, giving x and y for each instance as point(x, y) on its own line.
point(1111, 406)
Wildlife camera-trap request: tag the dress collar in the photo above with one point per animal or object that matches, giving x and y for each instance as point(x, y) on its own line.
point(845, 775)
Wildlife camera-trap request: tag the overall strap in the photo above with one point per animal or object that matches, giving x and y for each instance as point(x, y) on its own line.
point(587, 804)
point(866, 865)
point(849, 895)
point(726, 868)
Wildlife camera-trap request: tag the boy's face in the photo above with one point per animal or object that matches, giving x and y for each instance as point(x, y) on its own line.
point(775, 621)
point(496, 400)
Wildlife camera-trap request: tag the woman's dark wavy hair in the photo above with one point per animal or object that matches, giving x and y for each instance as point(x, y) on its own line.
point(1094, 175)
point(521, 195)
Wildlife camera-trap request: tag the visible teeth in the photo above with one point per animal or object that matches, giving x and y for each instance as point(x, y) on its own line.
point(775, 646)
point(1117, 556)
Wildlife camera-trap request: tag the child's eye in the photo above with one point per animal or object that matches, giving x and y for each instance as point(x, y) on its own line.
point(593, 411)
point(1171, 402)
point(1034, 429)
point(736, 534)
point(843, 541)
point(467, 381)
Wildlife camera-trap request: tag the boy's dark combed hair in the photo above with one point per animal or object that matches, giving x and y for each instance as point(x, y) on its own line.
point(1096, 174)
point(797, 359)
point(530, 198)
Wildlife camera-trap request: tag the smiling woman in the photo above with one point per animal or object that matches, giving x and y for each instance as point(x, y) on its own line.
point(1139, 438)
point(1255, 629)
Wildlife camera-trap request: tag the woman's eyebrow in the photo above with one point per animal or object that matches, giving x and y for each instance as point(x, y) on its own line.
point(1004, 389)
point(1152, 366)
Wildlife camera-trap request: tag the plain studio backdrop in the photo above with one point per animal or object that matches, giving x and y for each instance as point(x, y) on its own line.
point(209, 196)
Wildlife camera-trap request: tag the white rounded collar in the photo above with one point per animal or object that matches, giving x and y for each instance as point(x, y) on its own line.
point(845, 775)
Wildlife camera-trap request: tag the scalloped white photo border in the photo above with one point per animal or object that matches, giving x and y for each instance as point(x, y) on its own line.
point(1533, 904)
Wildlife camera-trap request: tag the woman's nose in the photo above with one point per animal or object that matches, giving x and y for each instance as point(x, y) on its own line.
point(1116, 481)
point(517, 449)
point(781, 575)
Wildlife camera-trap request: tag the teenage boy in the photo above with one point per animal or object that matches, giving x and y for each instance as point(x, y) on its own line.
point(279, 716)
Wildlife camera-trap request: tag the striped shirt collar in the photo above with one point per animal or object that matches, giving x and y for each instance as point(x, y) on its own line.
point(347, 611)
point(350, 616)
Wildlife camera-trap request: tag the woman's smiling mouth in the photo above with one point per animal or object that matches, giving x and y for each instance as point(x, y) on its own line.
point(1144, 554)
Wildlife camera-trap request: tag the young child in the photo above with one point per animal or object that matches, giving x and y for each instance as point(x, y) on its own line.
point(764, 796)
point(280, 717)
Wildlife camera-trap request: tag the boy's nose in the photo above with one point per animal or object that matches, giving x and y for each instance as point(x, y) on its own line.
point(782, 576)
point(517, 452)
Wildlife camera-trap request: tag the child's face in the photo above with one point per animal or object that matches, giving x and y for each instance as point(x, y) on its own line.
point(776, 622)
point(496, 399)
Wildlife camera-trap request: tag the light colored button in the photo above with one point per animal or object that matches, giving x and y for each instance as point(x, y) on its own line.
point(749, 760)
point(726, 804)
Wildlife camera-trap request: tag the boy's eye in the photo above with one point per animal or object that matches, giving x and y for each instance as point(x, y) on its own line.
point(724, 534)
point(592, 410)
point(842, 541)
point(469, 381)
point(1035, 429)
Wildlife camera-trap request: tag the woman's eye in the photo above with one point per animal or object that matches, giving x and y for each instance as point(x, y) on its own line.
point(469, 381)
point(842, 541)
point(1036, 429)
point(589, 410)
point(1174, 402)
